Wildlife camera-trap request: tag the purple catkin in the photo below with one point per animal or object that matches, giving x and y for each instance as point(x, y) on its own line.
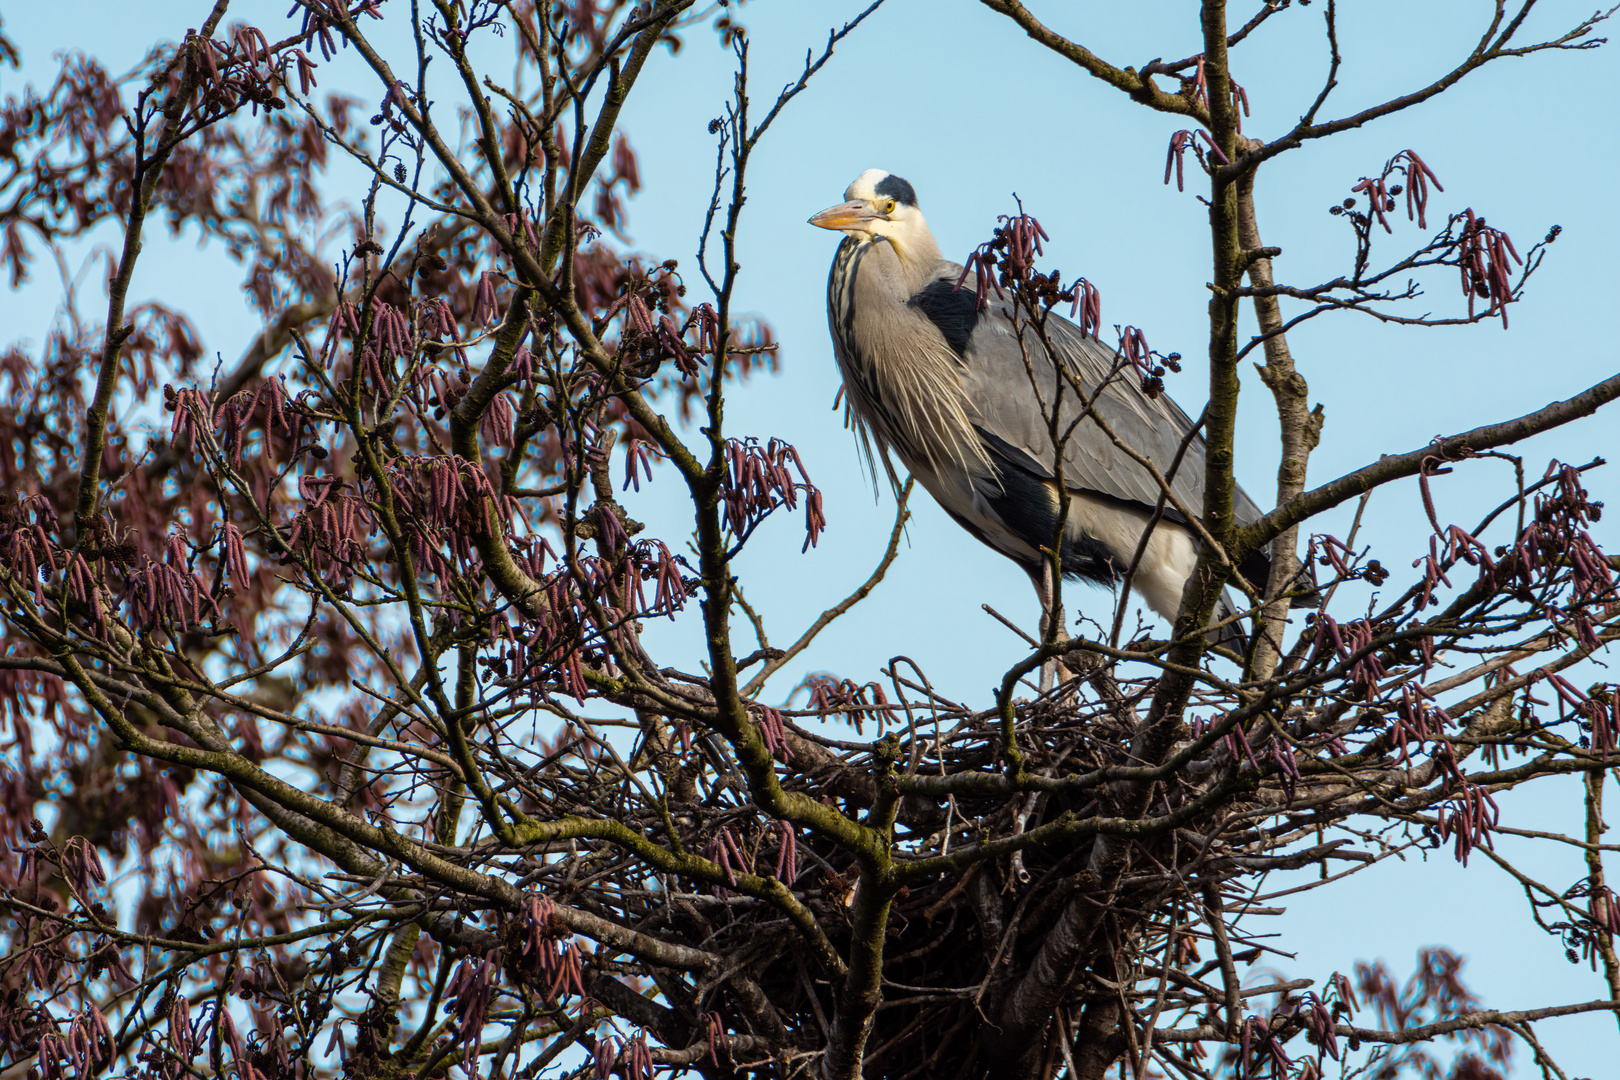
point(180, 1027)
point(605, 1056)
point(787, 858)
point(484, 302)
point(1087, 306)
point(639, 316)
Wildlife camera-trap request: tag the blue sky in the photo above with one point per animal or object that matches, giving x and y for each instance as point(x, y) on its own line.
point(957, 101)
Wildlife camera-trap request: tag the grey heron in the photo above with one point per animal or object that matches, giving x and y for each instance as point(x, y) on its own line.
point(947, 387)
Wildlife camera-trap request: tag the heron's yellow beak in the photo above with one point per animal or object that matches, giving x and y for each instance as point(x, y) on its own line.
point(856, 214)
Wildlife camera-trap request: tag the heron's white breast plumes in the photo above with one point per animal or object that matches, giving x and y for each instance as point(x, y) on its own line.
point(904, 385)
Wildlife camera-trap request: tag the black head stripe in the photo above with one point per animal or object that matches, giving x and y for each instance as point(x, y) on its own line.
point(892, 187)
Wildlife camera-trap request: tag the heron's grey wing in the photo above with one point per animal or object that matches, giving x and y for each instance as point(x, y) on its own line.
point(1156, 425)
point(1013, 387)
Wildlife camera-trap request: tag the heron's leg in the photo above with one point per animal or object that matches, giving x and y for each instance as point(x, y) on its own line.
point(1053, 671)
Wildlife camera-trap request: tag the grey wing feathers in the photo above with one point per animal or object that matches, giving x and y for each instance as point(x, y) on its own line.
point(1005, 389)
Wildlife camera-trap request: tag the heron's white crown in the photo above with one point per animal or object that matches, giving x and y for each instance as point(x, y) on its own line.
point(864, 186)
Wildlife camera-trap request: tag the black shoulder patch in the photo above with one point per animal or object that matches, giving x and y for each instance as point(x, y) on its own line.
point(955, 311)
point(892, 187)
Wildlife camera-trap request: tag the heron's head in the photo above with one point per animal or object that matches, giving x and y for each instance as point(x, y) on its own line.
point(879, 204)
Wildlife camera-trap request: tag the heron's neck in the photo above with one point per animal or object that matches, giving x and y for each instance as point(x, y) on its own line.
point(917, 253)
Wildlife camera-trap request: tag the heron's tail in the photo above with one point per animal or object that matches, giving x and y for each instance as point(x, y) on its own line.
point(1257, 568)
point(1232, 635)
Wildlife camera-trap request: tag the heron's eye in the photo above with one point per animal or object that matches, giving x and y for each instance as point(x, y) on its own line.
point(888, 206)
